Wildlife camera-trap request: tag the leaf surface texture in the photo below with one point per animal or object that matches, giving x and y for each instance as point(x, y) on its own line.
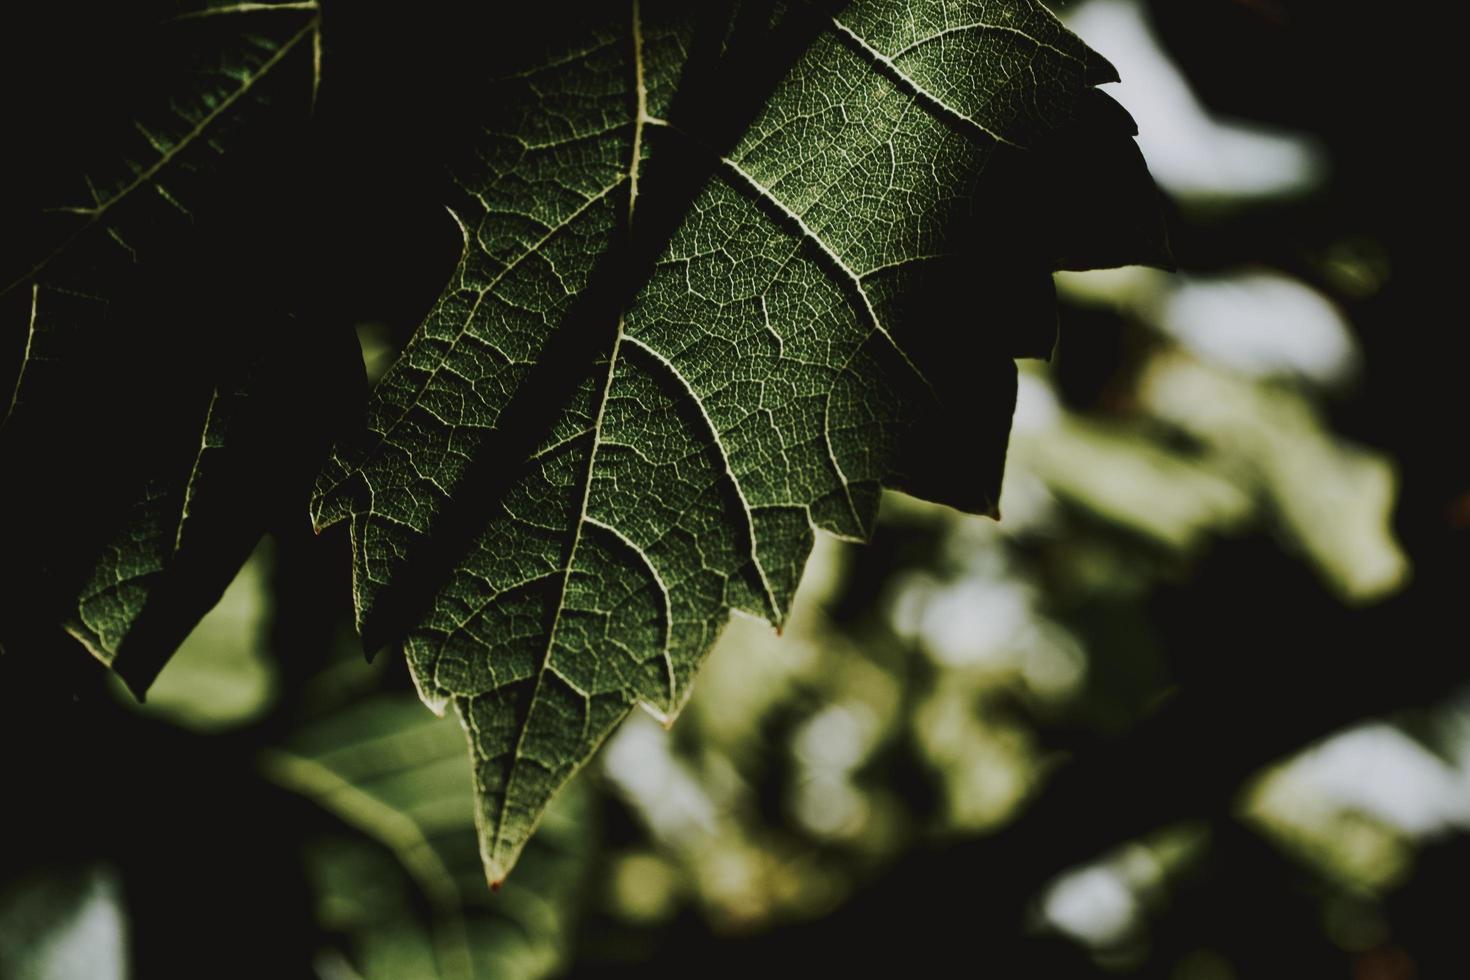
point(761, 383)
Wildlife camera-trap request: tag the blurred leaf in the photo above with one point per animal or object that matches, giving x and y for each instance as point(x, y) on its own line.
point(1334, 499)
point(1122, 475)
point(399, 776)
point(67, 925)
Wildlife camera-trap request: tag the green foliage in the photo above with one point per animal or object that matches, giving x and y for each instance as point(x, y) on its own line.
point(726, 274)
point(395, 773)
point(1112, 722)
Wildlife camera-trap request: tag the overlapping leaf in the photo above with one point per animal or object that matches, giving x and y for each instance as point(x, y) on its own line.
point(124, 386)
point(765, 381)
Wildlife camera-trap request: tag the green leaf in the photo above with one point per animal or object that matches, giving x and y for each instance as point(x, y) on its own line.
point(206, 504)
point(119, 584)
point(761, 376)
point(67, 922)
point(397, 775)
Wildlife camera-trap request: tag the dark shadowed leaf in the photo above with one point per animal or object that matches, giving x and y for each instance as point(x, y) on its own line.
point(158, 402)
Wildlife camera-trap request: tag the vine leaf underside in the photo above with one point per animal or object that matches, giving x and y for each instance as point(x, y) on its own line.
point(808, 287)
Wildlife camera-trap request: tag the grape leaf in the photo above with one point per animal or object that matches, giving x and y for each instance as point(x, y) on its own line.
point(725, 234)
